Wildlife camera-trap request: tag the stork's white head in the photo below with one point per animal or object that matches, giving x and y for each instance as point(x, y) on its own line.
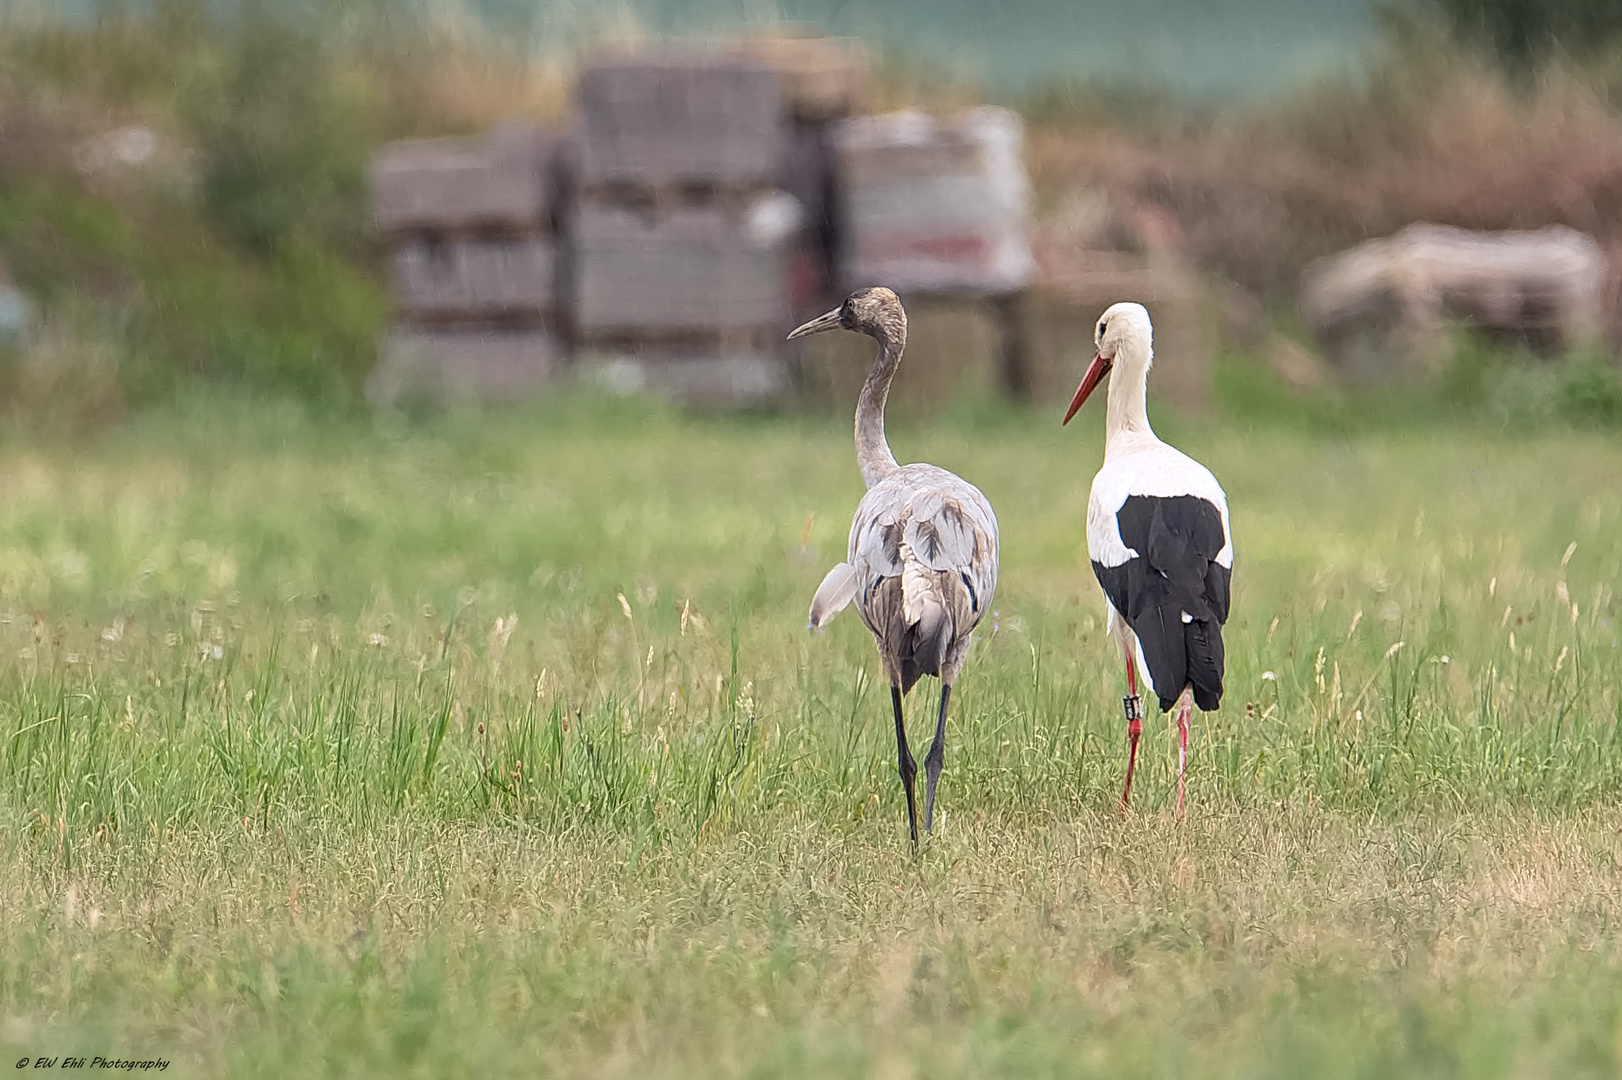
point(1124, 334)
point(1124, 339)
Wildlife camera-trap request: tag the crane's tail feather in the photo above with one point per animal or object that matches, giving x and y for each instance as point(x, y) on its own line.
point(927, 615)
point(924, 645)
point(919, 589)
point(835, 593)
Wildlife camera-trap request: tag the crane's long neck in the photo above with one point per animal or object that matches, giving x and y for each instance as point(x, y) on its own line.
point(1127, 413)
point(872, 448)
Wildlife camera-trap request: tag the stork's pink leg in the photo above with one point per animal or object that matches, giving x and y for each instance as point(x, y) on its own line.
point(1185, 706)
point(1134, 727)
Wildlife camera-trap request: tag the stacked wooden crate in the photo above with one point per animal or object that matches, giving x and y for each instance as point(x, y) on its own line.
point(940, 210)
point(475, 265)
point(681, 237)
point(935, 208)
point(702, 204)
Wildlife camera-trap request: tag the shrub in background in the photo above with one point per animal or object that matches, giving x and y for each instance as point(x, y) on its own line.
point(282, 142)
point(1522, 32)
point(1521, 390)
point(259, 268)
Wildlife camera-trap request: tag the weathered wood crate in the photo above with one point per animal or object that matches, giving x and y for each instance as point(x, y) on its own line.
point(689, 268)
point(506, 181)
point(472, 226)
point(705, 373)
point(438, 279)
point(463, 363)
point(927, 207)
point(476, 266)
point(684, 246)
point(822, 80)
point(1381, 309)
point(672, 120)
point(686, 302)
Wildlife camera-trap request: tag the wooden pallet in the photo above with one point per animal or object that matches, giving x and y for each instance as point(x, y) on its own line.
point(701, 377)
point(438, 278)
point(508, 180)
point(465, 363)
point(933, 207)
point(676, 116)
point(693, 269)
point(655, 198)
point(693, 340)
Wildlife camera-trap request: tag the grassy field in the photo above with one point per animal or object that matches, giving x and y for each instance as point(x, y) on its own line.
point(496, 746)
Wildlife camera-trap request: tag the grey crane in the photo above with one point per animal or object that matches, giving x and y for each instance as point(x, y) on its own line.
point(922, 565)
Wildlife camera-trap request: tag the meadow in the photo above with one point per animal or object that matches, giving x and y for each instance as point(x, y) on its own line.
point(496, 745)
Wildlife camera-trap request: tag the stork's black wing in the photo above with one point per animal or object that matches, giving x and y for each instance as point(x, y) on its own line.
point(1173, 592)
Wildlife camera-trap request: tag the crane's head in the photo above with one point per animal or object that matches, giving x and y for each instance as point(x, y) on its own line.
point(1123, 334)
point(875, 312)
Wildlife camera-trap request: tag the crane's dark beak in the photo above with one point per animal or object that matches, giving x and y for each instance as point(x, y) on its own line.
point(817, 325)
point(1089, 382)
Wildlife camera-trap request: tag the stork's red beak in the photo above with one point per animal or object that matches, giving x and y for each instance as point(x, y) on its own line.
point(1089, 382)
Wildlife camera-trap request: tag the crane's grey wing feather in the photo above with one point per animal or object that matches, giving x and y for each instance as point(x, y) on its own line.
point(876, 539)
point(924, 551)
point(837, 590)
point(941, 533)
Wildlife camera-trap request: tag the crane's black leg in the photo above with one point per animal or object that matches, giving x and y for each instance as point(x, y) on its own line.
point(935, 760)
point(904, 763)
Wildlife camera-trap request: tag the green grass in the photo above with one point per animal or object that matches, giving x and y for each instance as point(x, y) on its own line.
point(280, 795)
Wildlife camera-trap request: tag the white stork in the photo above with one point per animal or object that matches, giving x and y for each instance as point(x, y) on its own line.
point(1158, 536)
point(922, 563)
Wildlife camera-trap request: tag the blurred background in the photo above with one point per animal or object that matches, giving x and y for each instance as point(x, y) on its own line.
point(1334, 210)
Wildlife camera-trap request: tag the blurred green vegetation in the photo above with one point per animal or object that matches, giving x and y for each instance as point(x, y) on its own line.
point(1480, 385)
point(240, 250)
point(243, 255)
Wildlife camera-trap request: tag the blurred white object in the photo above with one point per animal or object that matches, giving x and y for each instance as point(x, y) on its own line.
point(16, 313)
point(126, 148)
point(129, 146)
point(136, 151)
point(934, 207)
point(772, 219)
point(622, 375)
point(702, 378)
